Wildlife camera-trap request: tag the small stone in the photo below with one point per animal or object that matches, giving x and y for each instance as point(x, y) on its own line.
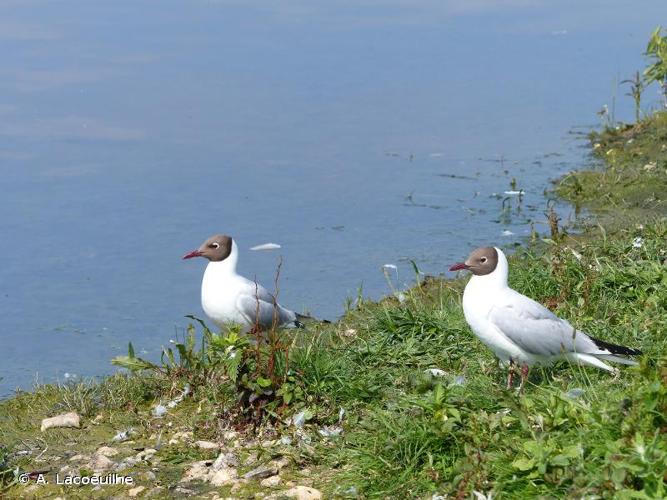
point(136, 491)
point(281, 463)
point(98, 419)
point(126, 463)
point(198, 471)
point(107, 451)
point(207, 445)
point(303, 493)
point(230, 435)
point(224, 460)
point(270, 482)
point(70, 419)
point(100, 463)
point(154, 492)
point(79, 458)
point(149, 475)
point(223, 476)
point(261, 472)
point(146, 454)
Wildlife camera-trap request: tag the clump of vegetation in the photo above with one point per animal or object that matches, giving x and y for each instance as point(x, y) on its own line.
point(656, 50)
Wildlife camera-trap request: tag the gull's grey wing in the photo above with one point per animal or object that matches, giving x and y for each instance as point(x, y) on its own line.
point(537, 330)
point(261, 312)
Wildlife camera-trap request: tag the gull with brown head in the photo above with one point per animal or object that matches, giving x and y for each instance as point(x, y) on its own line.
point(521, 331)
point(227, 297)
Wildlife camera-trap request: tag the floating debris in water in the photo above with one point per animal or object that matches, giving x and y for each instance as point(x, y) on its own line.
point(513, 192)
point(266, 246)
point(390, 266)
point(507, 232)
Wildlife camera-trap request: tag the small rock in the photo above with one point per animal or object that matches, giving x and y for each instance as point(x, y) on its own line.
point(70, 419)
point(149, 475)
point(250, 459)
point(185, 436)
point(146, 454)
point(154, 492)
point(230, 435)
point(261, 472)
point(107, 451)
point(435, 372)
point(136, 491)
point(303, 493)
point(207, 445)
point(270, 482)
point(98, 419)
point(224, 460)
point(184, 491)
point(126, 463)
point(281, 463)
point(100, 463)
point(198, 471)
point(223, 476)
point(79, 458)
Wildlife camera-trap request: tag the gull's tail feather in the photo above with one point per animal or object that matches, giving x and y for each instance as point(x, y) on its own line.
point(617, 359)
point(615, 349)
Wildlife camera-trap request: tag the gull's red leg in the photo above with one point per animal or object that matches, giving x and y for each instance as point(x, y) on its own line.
point(510, 374)
point(524, 375)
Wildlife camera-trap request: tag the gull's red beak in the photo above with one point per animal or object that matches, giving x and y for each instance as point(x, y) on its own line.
point(194, 253)
point(459, 266)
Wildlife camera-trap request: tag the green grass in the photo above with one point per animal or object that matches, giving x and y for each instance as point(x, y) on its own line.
point(573, 432)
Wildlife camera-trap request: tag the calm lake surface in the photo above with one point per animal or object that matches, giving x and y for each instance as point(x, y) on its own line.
point(354, 134)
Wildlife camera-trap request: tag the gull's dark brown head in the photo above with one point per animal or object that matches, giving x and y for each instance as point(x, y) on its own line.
point(480, 262)
point(216, 248)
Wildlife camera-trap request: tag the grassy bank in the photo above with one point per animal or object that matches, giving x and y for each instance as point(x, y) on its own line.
point(403, 431)
point(630, 181)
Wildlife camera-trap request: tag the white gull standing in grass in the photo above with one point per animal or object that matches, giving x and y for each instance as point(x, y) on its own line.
point(520, 330)
point(227, 297)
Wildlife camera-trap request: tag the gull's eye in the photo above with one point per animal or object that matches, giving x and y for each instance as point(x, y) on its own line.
point(214, 245)
point(483, 260)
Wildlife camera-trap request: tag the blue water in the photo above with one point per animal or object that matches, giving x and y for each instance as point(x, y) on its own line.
point(354, 134)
